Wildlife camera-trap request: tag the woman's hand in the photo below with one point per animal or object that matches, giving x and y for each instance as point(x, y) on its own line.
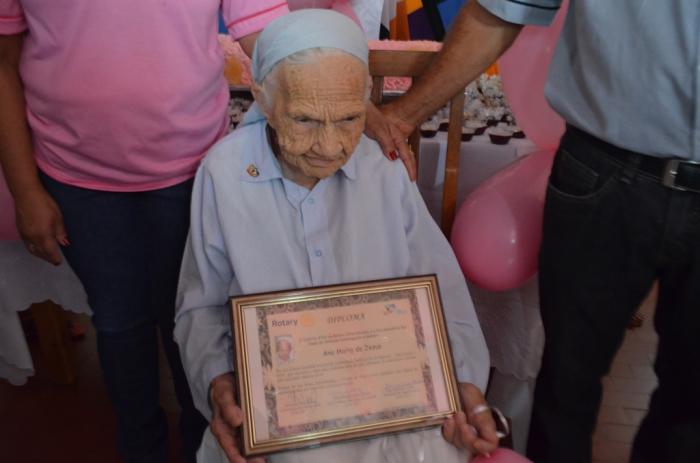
point(40, 224)
point(227, 417)
point(474, 428)
point(391, 134)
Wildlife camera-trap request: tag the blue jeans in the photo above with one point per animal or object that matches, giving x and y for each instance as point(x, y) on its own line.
point(126, 249)
point(610, 229)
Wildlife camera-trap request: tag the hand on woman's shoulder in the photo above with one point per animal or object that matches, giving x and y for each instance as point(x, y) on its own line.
point(379, 164)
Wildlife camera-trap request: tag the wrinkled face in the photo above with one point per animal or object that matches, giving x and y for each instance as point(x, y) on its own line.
point(318, 114)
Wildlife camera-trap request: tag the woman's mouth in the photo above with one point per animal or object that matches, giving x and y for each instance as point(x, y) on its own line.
point(321, 162)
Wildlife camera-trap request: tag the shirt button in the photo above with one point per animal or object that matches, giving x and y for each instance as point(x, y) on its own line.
point(318, 253)
point(311, 200)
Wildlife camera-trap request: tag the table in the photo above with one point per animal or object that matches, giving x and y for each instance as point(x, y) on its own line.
point(479, 160)
point(25, 280)
point(510, 320)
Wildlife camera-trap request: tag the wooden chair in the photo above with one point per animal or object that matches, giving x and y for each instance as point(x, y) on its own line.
point(399, 63)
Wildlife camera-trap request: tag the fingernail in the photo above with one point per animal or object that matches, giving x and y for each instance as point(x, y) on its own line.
point(394, 155)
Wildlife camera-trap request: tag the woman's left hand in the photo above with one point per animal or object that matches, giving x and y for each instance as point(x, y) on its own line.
point(474, 428)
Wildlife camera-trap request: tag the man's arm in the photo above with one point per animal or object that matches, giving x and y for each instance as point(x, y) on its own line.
point(38, 218)
point(476, 40)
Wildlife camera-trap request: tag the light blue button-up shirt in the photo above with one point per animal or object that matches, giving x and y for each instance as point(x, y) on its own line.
point(254, 231)
point(626, 71)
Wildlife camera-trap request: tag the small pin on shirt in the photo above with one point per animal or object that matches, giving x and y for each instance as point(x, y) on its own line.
point(253, 171)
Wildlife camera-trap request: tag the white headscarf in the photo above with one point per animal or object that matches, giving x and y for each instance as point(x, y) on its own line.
point(298, 31)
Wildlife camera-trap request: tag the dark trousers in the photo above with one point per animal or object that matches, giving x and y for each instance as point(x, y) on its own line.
point(609, 231)
point(126, 249)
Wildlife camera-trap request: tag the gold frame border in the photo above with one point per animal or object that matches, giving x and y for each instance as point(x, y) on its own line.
point(240, 303)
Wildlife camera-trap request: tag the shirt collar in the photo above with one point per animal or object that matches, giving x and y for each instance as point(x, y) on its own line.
point(350, 167)
point(261, 165)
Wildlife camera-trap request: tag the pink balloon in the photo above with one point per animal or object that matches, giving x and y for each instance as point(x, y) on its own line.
point(523, 70)
point(502, 456)
point(497, 231)
point(8, 229)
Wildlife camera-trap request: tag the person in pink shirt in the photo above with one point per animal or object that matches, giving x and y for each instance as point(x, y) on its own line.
point(341, 6)
point(107, 109)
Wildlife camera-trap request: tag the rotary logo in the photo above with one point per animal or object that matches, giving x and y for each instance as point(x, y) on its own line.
point(307, 320)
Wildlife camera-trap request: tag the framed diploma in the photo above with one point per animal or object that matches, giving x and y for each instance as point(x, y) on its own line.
point(333, 363)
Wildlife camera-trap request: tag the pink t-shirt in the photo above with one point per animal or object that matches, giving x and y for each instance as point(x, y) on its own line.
point(342, 6)
point(126, 95)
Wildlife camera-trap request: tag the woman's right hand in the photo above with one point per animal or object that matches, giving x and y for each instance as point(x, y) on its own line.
point(40, 224)
point(227, 417)
point(391, 133)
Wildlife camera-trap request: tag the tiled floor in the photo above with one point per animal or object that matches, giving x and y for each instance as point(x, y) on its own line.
point(627, 391)
point(42, 422)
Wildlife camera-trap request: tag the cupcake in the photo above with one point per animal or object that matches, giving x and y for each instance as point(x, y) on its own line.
point(444, 124)
point(428, 129)
point(467, 133)
point(478, 127)
point(500, 136)
point(517, 131)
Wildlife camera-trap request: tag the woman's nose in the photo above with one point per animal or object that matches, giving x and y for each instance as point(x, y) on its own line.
point(329, 144)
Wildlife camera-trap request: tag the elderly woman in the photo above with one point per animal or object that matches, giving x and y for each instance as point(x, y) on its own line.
point(300, 198)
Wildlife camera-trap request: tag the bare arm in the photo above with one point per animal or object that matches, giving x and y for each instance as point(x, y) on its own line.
point(38, 217)
point(15, 144)
point(476, 40)
point(248, 43)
